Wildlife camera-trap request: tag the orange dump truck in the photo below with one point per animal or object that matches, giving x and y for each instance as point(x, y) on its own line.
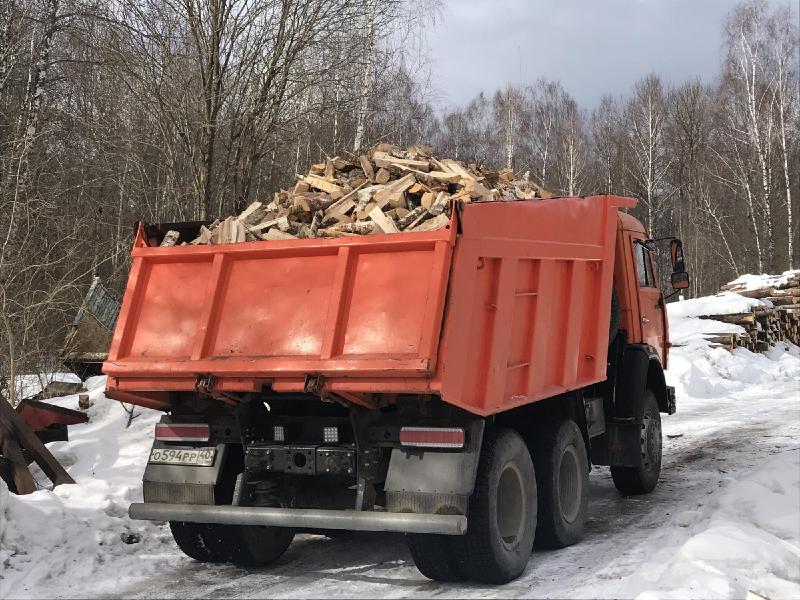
point(454, 385)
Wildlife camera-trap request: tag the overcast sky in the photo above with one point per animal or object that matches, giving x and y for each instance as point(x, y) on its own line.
point(593, 47)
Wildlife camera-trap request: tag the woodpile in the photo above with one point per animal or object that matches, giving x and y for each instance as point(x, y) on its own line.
point(386, 190)
point(776, 319)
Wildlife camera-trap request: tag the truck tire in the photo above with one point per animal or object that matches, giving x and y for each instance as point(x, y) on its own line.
point(562, 482)
point(501, 520)
point(643, 478)
point(250, 545)
point(195, 540)
point(435, 557)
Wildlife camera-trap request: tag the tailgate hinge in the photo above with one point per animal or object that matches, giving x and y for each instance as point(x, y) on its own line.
point(205, 383)
point(313, 384)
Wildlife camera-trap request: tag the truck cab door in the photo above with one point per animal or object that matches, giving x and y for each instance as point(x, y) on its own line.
point(651, 301)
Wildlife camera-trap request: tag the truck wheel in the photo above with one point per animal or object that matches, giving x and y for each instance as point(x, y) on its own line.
point(643, 478)
point(501, 520)
point(250, 545)
point(435, 557)
point(195, 540)
point(562, 481)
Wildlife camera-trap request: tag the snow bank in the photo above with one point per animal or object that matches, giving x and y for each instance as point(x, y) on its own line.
point(749, 542)
point(757, 282)
point(52, 542)
point(724, 303)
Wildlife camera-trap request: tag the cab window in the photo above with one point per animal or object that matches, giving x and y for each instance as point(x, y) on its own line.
point(644, 268)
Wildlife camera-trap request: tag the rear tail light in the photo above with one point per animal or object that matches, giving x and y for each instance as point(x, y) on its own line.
point(432, 437)
point(278, 433)
point(182, 432)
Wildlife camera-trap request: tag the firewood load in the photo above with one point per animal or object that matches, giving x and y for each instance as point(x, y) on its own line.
point(776, 319)
point(386, 190)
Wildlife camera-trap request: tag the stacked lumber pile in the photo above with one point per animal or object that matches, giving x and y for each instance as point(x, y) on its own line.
point(386, 190)
point(775, 319)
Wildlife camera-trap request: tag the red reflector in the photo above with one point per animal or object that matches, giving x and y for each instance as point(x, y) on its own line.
point(182, 432)
point(432, 437)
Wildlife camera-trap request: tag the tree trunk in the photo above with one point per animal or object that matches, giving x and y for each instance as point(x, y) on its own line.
point(366, 81)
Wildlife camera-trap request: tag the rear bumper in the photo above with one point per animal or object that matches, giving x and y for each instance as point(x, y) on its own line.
point(302, 518)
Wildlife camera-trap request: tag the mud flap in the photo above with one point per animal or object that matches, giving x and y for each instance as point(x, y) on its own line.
point(624, 444)
point(619, 446)
point(425, 481)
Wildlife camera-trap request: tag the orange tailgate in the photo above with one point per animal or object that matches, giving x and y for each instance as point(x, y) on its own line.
point(246, 314)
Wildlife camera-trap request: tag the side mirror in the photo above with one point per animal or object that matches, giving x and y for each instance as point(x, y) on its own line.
point(680, 280)
point(676, 254)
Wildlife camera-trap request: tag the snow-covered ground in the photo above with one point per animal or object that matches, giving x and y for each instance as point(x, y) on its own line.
point(725, 518)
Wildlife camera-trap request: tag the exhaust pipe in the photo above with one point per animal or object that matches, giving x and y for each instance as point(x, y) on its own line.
point(301, 518)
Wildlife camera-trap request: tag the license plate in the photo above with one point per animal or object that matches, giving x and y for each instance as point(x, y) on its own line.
point(196, 457)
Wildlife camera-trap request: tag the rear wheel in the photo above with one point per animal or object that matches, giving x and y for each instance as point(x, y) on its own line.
point(435, 557)
point(502, 511)
point(195, 540)
point(250, 545)
point(562, 480)
point(643, 478)
point(243, 545)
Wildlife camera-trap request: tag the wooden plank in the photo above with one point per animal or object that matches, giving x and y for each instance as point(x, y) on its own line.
point(444, 176)
point(343, 204)
point(277, 234)
point(410, 218)
point(436, 222)
point(320, 183)
point(457, 168)
point(387, 161)
point(21, 476)
point(440, 204)
point(250, 214)
point(384, 222)
point(281, 223)
point(390, 191)
point(366, 166)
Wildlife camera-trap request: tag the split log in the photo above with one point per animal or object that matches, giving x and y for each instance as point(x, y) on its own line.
point(382, 221)
point(170, 238)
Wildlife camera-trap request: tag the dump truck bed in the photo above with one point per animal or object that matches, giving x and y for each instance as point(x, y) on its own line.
point(508, 304)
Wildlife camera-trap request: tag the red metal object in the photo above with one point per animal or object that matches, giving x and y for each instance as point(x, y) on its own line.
point(182, 432)
point(507, 305)
point(40, 415)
